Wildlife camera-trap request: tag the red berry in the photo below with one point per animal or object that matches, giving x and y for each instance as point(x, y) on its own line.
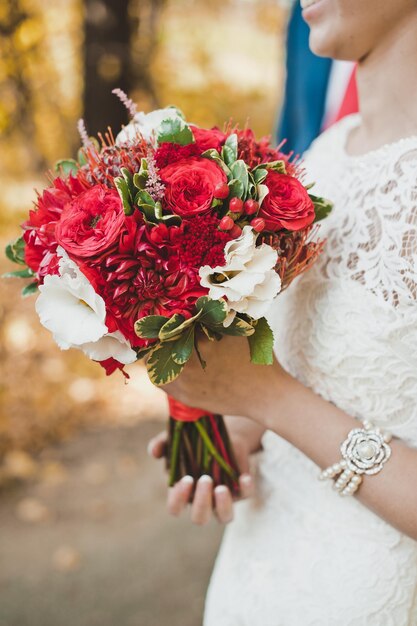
point(226, 223)
point(221, 191)
point(236, 231)
point(258, 224)
point(251, 207)
point(236, 205)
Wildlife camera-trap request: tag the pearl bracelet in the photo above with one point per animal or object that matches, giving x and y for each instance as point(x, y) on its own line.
point(365, 451)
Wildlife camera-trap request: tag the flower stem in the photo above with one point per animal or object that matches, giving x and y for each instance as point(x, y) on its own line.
point(174, 452)
point(210, 447)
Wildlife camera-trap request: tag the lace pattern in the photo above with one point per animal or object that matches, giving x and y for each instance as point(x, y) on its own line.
point(300, 554)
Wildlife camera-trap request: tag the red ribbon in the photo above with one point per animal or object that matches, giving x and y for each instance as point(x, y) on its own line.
point(183, 413)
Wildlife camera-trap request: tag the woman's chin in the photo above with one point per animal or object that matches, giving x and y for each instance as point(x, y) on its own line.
point(326, 43)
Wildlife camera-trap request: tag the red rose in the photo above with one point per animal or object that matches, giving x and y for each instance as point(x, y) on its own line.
point(91, 223)
point(287, 204)
point(208, 138)
point(190, 185)
point(39, 229)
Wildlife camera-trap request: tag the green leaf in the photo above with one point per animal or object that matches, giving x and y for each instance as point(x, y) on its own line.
point(26, 273)
point(259, 175)
point(228, 155)
point(213, 155)
point(170, 328)
point(143, 197)
point(261, 343)
point(236, 188)
point(240, 171)
point(148, 213)
point(213, 312)
point(142, 352)
point(231, 142)
point(15, 251)
point(322, 207)
point(162, 369)
point(175, 130)
point(66, 166)
point(124, 194)
point(127, 175)
point(140, 178)
point(238, 328)
point(176, 325)
point(30, 289)
point(148, 327)
point(263, 191)
point(277, 166)
point(183, 347)
point(171, 220)
point(209, 333)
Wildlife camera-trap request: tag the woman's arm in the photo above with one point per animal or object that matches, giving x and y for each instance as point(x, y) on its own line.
point(277, 401)
point(317, 428)
point(247, 431)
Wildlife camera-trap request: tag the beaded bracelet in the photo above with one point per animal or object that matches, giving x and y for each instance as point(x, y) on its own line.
point(365, 451)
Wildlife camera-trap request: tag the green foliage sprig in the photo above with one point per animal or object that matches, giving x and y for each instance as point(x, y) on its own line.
point(175, 338)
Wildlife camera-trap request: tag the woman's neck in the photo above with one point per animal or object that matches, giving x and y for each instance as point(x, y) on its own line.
point(387, 85)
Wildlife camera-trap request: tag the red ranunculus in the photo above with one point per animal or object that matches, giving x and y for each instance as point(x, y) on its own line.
point(39, 230)
point(91, 223)
point(287, 204)
point(190, 185)
point(208, 138)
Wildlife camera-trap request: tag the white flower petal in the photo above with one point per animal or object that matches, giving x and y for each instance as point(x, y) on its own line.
point(113, 345)
point(145, 124)
point(250, 282)
point(69, 307)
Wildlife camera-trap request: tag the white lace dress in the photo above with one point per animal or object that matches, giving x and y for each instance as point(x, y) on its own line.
point(299, 554)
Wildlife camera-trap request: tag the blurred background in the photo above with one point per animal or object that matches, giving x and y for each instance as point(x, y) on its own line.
point(84, 534)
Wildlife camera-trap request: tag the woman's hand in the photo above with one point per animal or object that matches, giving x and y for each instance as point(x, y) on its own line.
point(230, 384)
point(206, 501)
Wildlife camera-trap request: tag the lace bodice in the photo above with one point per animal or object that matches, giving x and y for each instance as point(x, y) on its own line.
point(299, 555)
point(355, 341)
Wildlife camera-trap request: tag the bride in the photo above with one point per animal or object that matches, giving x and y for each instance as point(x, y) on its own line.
point(299, 554)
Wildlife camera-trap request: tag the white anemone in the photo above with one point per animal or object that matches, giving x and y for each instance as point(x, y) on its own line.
point(247, 280)
point(69, 307)
point(145, 124)
point(111, 345)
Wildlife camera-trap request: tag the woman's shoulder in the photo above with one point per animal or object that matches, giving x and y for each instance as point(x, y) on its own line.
point(328, 159)
point(331, 143)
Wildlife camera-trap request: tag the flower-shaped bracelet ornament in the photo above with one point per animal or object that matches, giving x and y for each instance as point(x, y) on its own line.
point(365, 451)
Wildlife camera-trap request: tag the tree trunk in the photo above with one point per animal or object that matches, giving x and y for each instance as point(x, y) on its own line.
point(107, 63)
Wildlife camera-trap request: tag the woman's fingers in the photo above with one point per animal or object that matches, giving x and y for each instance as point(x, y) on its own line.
point(223, 503)
point(157, 445)
point(179, 495)
point(202, 506)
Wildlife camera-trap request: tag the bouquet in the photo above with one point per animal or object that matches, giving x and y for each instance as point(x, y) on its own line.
point(168, 233)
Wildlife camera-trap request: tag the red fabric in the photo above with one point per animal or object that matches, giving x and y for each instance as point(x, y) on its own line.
point(350, 103)
point(183, 413)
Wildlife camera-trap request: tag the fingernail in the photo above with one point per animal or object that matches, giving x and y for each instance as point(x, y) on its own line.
point(246, 479)
point(221, 489)
point(187, 480)
point(205, 478)
point(150, 447)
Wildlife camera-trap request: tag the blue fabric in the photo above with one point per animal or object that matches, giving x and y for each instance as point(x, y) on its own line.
point(305, 89)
